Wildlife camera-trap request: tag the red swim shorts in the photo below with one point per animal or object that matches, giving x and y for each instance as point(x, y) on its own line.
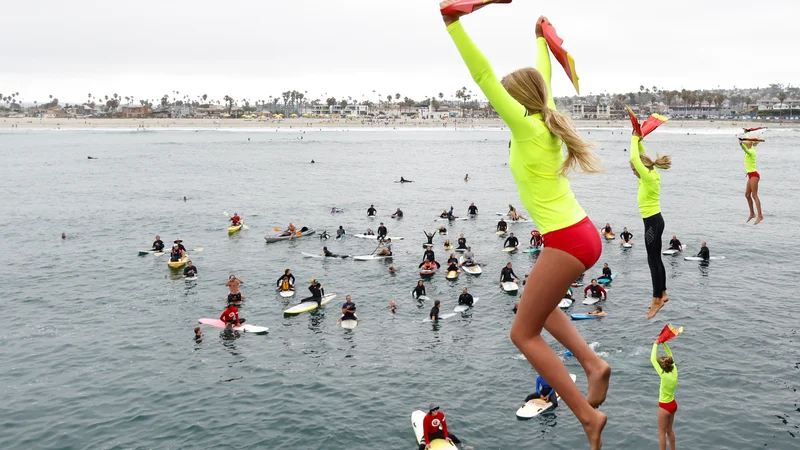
point(580, 240)
point(753, 175)
point(670, 407)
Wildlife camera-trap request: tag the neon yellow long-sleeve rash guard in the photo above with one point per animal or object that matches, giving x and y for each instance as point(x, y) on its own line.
point(536, 154)
point(669, 380)
point(749, 158)
point(649, 182)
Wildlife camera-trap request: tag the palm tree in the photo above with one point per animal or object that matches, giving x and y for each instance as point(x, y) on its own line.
point(781, 97)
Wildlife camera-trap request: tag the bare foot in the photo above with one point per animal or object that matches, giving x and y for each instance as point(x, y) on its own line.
point(594, 430)
point(664, 297)
point(760, 218)
point(598, 384)
point(655, 307)
point(752, 216)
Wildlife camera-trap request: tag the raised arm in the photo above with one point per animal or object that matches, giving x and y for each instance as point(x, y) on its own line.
point(748, 151)
point(543, 66)
point(512, 113)
point(654, 358)
point(637, 148)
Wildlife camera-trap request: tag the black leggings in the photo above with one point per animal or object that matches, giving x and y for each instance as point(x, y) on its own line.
point(653, 229)
point(439, 435)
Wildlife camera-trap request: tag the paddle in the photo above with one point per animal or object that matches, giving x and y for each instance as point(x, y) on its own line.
point(228, 216)
point(296, 234)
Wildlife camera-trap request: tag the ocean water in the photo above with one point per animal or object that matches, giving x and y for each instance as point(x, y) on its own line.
point(98, 352)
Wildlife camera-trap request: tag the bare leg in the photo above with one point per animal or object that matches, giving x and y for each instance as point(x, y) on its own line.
point(748, 194)
point(597, 370)
point(663, 422)
point(670, 433)
point(753, 182)
point(554, 272)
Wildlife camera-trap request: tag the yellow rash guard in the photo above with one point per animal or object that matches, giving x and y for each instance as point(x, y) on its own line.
point(669, 380)
point(749, 158)
point(536, 154)
point(649, 182)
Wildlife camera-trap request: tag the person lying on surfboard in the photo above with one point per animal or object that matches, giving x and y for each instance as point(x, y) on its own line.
point(442, 230)
point(329, 253)
point(675, 244)
point(598, 311)
point(543, 392)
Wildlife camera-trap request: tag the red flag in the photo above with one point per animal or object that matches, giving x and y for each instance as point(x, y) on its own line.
point(562, 56)
point(668, 333)
point(465, 6)
point(652, 122)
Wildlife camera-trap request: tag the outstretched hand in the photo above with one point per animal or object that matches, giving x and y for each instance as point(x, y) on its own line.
point(539, 22)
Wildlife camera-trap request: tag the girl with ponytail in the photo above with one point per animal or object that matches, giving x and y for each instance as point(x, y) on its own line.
point(539, 134)
point(667, 406)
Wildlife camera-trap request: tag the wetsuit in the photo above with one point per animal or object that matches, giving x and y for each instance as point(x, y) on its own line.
point(190, 271)
point(349, 311)
point(398, 214)
point(650, 209)
point(472, 210)
point(465, 299)
point(340, 233)
point(430, 238)
point(158, 245)
point(435, 427)
point(231, 316)
point(316, 294)
point(289, 277)
point(543, 389)
point(434, 314)
point(669, 381)
point(606, 273)
point(507, 274)
point(428, 256)
point(382, 232)
point(704, 253)
point(502, 225)
point(452, 267)
point(626, 236)
point(597, 291)
point(330, 254)
point(536, 156)
point(511, 242)
point(462, 243)
point(443, 215)
point(674, 244)
point(419, 290)
point(371, 211)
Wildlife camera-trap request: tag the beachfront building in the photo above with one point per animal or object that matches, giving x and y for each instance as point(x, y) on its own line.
point(339, 110)
point(134, 111)
point(582, 110)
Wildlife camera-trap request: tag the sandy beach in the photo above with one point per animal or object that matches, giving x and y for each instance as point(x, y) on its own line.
point(209, 124)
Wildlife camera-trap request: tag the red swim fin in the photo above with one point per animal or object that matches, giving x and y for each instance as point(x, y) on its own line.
point(634, 120)
point(562, 56)
point(652, 122)
point(465, 6)
point(669, 332)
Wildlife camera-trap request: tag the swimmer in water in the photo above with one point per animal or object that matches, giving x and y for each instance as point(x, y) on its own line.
point(524, 100)
point(392, 306)
point(198, 334)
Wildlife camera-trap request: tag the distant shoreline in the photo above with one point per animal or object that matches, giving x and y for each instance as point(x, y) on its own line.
point(30, 123)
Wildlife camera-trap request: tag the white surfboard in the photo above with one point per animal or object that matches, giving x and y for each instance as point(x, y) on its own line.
point(462, 308)
point(472, 270)
point(444, 219)
point(591, 300)
point(308, 305)
point(441, 316)
point(417, 419)
point(565, 303)
point(537, 406)
point(286, 294)
point(626, 245)
point(370, 257)
point(510, 286)
point(510, 249)
point(349, 324)
point(246, 327)
point(192, 278)
point(672, 251)
point(374, 237)
point(499, 232)
point(697, 258)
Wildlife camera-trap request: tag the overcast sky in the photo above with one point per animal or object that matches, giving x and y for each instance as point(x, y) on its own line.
point(254, 49)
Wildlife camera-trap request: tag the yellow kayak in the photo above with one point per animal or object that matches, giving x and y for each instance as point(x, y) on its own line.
point(236, 228)
point(178, 264)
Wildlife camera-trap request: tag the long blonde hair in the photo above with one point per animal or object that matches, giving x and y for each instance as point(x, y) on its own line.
point(527, 86)
point(661, 162)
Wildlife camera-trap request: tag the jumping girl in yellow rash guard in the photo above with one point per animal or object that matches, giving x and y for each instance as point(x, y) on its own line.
point(571, 242)
point(667, 406)
point(751, 191)
point(650, 208)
